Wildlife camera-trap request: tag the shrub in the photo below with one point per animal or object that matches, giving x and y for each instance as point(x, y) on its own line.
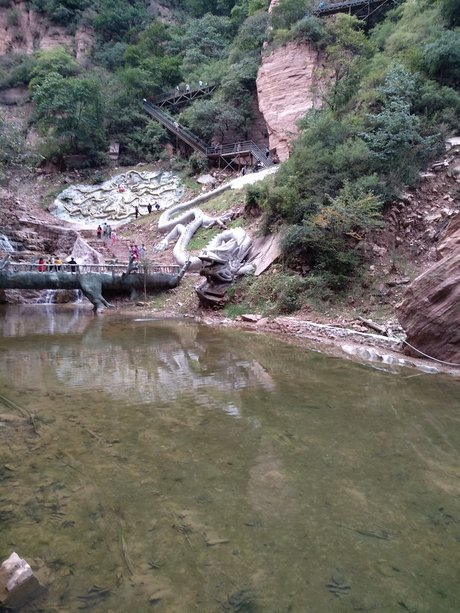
point(198, 162)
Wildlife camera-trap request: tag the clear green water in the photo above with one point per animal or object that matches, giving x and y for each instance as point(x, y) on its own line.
point(182, 468)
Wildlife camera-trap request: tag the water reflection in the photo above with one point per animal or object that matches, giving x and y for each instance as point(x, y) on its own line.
point(205, 469)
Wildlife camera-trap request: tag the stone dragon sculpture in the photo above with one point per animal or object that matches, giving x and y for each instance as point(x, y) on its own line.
point(222, 261)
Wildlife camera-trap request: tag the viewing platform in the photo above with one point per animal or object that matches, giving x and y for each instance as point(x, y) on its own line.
point(181, 96)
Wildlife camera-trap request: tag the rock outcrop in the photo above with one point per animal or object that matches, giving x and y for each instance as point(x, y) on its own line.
point(430, 310)
point(289, 83)
point(24, 30)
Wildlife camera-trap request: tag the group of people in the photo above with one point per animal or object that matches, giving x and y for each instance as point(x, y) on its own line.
point(55, 264)
point(106, 232)
point(187, 87)
point(137, 253)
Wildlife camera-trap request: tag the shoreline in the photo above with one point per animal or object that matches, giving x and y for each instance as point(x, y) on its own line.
point(330, 339)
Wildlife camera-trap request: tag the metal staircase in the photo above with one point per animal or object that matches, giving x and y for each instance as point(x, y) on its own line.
point(170, 124)
point(227, 153)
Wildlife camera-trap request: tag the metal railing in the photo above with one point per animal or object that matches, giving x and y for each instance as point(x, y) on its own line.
point(183, 95)
point(243, 147)
point(329, 8)
point(240, 148)
point(113, 269)
point(172, 125)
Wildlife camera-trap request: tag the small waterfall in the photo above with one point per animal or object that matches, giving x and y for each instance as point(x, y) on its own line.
point(5, 244)
point(46, 296)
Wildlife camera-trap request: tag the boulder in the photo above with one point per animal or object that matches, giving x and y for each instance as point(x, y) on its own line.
point(430, 311)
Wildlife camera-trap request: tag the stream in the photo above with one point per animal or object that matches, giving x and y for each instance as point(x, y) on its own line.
point(151, 464)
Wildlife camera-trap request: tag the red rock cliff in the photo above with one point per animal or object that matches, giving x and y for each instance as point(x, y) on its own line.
point(24, 30)
point(289, 84)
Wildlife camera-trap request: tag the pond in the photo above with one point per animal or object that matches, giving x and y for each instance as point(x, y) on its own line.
point(175, 467)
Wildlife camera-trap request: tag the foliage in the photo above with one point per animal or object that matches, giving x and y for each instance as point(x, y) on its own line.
point(287, 12)
point(309, 28)
point(144, 143)
point(70, 112)
point(251, 33)
point(441, 58)
point(53, 61)
point(270, 294)
point(16, 69)
point(450, 10)
point(198, 163)
point(198, 8)
point(13, 150)
point(114, 19)
point(393, 135)
point(62, 12)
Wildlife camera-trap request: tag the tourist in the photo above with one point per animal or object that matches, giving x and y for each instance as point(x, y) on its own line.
point(114, 237)
point(267, 152)
point(200, 83)
point(58, 264)
point(142, 252)
point(136, 211)
point(109, 231)
point(41, 264)
point(73, 265)
point(149, 208)
point(157, 206)
point(136, 252)
point(99, 232)
point(187, 88)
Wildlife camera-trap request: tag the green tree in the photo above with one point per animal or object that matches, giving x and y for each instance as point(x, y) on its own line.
point(62, 12)
point(114, 19)
point(450, 10)
point(441, 58)
point(70, 112)
point(55, 60)
point(397, 147)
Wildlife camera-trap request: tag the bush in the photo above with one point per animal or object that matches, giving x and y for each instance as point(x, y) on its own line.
point(198, 163)
point(441, 58)
point(287, 12)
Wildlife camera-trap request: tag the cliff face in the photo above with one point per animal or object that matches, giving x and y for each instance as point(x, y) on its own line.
point(23, 30)
point(430, 309)
point(289, 84)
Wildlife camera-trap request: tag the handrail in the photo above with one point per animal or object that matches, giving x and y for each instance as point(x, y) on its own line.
point(177, 97)
point(174, 127)
point(142, 267)
point(330, 8)
point(239, 148)
point(210, 150)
